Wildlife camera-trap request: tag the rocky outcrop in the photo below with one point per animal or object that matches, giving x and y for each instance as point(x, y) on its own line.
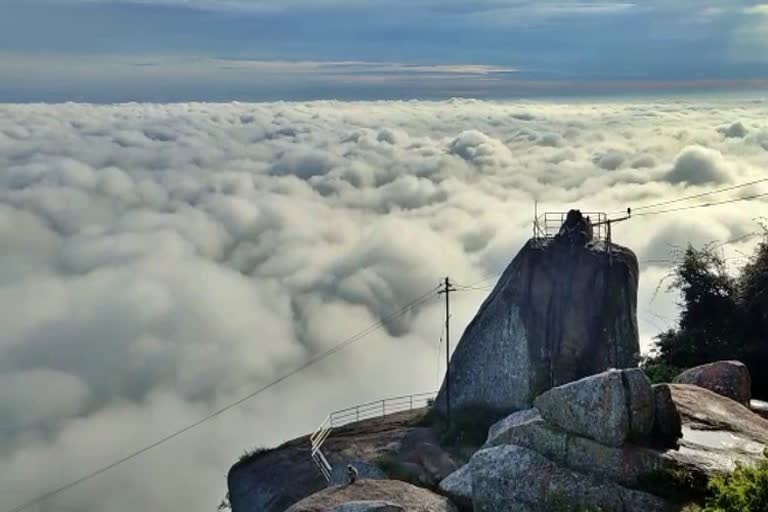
point(718, 423)
point(624, 465)
point(559, 312)
point(273, 480)
point(727, 378)
point(374, 493)
point(512, 478)
point(603, 407)
point(562, 450)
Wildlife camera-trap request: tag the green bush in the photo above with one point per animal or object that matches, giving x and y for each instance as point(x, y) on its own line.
point(659, 372)
point(744, 490)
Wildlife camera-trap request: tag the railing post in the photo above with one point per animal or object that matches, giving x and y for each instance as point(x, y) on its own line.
point(411, 403)
point(357, 413)
point(383, 408)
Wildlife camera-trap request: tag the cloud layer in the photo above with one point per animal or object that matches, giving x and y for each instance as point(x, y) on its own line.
point(158, 261)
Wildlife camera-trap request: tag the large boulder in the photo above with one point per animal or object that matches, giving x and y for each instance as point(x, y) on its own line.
point(605, 407)
point(727, 378)
point(362, 493)
point(512, 479)
point(559, 312)
point(710, 415)
point(458, 486)
point(626, 465)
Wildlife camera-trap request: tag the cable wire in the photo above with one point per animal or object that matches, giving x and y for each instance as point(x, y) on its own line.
point(705, 205)
point(696, 196)
point(341, 346)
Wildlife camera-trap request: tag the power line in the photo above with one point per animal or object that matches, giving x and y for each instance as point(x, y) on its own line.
point(705, 205)
point(696, 196)
point(341, 346)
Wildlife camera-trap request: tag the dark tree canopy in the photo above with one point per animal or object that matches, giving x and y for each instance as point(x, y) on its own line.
point(722, 316)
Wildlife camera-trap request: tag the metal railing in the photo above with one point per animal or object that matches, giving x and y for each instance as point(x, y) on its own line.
point(547, 225)
point(357, 413)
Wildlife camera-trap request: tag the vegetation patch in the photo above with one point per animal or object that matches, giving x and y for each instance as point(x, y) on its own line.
point(254, 455)
point(744, 490)
point(723, 314)
point(659, 372)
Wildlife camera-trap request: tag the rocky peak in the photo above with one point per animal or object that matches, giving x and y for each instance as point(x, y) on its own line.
point(565, 308)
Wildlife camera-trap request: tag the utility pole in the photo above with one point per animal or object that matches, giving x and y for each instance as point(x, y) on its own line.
point(447, 289)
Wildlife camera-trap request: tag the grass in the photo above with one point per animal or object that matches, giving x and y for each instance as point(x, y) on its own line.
point(253, 455)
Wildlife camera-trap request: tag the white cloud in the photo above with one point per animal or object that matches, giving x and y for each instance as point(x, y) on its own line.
point(157, 261)
point(697, 165)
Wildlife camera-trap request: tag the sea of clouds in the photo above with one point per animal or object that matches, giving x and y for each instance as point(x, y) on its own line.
point(160, 261)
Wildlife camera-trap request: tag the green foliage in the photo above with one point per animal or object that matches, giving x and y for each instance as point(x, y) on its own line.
point(659, 372)
point(745, 490)
point(722, 316)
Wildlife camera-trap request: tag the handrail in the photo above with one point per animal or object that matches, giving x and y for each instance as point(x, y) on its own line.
point(547, 225)
point(366, 411)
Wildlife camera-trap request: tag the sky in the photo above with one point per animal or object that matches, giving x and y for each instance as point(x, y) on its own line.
point(263, 50)
point(158, 261)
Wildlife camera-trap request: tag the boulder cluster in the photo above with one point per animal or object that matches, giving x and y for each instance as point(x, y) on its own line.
point(587, 445)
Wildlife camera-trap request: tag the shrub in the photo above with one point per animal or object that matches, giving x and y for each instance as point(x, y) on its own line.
point(744, 490)
point(659, 372)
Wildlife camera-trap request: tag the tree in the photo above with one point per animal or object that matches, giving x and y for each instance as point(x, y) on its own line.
point(721, 316)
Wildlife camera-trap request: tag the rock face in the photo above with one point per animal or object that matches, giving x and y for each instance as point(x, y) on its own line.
point(727, 378)
point(561, 455)
point(458, 486)
point(274, 480)
point(374, 493)
point(603, 407)
point(512, 478)
point(559, 312)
